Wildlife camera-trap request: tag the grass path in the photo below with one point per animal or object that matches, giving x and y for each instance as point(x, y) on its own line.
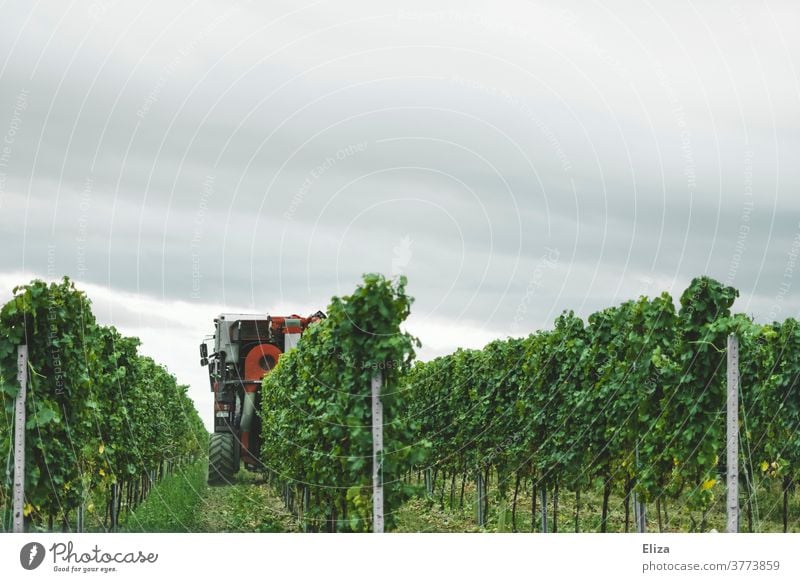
point(247, 506)
point(184, 503)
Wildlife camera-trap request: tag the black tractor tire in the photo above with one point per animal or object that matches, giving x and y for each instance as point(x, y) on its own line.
point(223, 458)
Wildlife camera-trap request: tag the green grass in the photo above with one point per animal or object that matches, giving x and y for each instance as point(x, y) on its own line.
point(173, 503)
point(183, 502)
point(248, 505)
point(423, 515)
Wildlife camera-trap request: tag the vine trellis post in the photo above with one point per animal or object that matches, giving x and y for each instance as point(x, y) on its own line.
point(639, 508)
point(377, 454)
point(19, 440)
point(733, 434)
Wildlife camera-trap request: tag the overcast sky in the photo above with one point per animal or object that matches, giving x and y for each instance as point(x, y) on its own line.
point(512, 159)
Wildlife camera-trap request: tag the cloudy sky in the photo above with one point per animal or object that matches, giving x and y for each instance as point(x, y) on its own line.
point(180, 159)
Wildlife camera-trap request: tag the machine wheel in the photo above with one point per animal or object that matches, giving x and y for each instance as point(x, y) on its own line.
point(223, 458)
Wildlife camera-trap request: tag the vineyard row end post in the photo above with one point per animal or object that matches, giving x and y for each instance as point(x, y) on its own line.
point(733, 434)
point(19, 440)
point(377, 453)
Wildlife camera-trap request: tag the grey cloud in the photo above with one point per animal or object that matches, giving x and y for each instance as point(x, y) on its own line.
point(616, 138)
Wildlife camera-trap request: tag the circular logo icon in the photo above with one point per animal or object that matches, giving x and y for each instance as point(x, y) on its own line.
point(31, 555)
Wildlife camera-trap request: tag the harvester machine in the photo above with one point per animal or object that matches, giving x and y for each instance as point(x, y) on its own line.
point(245, 348)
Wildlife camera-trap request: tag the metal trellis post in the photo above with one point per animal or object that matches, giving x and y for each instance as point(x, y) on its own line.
point(377, 454)
point(19, 440)
point(733, 434)
point(639, 508)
